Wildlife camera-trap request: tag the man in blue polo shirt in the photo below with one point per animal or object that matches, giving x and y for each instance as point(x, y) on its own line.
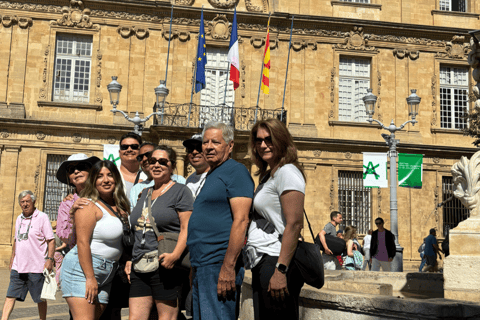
point(217, 227)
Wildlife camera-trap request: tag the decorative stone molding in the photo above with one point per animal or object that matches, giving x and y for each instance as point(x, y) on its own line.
point(317, 153)
point(379, 99)
point(355, 40)
point(455, 49)
point(37, 179)
point(273, 44)
point(219, 27)
point(408, 40)
point(98, 80)
point(8, 21)
point(223, 4)
point(466, 178)
point(348, 155)
point(433, 123)
point(257, 42)
point(332, 194)
point(4, 133)
point(298, 45)
point(40, 135)
point(184, 36)
point(379, 201)
point(126, 32)
point(243, 75)
point(43, 93)
point(167, 36)
point(111, 140)
point(436, 160)
point(333, 72)
point(75, 16)
point(402, 53)
point(253, 8)
point(184, 2)
point(76, 137)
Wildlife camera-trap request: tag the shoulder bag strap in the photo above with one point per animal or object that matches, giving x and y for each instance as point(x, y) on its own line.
point(150, 217)
point(309, 226)
point(137, 178)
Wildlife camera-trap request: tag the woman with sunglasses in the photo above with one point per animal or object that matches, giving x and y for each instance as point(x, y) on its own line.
point(88, 268)
point(171, 207)
point(278, 202)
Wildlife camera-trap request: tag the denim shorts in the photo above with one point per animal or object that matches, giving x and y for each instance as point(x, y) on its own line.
point(21, 283)
point(73, 279)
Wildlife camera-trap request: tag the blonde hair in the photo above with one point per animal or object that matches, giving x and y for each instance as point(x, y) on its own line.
point(90, 191)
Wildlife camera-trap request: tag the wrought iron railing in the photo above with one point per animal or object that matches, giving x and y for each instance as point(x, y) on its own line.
point(196, 116)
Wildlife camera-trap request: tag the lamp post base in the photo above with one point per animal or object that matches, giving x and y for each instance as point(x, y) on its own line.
point(397, 263)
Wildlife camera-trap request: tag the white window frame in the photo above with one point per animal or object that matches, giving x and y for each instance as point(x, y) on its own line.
point(447, 5)
point(352, 87)
point(450, 90)
point(73, 68)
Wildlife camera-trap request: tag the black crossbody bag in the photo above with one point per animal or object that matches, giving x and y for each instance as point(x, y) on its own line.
point(128, 237)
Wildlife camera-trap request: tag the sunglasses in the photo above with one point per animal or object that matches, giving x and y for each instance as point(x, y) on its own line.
point(267, 140)
point(82, 166)
point(378, 223)
point(141, 156)
point(161, 161)
point(125, 146)
point(199, 149)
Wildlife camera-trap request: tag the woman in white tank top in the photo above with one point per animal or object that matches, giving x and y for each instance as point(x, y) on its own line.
point(89, 267)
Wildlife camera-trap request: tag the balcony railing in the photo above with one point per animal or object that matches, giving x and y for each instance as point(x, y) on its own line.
point(195, 116)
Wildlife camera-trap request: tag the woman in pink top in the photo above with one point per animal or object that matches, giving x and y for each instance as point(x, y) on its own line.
point(73, 172)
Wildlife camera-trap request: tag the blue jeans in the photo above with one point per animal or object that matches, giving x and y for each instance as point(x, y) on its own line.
point(424, 260)
point(206, 304)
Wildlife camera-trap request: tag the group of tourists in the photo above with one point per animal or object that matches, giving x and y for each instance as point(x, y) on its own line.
point(113, 221)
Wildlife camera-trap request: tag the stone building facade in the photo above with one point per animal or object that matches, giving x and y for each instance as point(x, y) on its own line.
point(58, 57)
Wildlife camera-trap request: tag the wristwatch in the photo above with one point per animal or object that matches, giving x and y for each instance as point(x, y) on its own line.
point(48, 258)
point(281, 267)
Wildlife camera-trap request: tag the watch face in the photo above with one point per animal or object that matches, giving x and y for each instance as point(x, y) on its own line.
point(282, 268)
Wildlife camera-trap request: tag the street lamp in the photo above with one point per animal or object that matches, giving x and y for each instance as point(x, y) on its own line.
point(413, 102)
point(161, 92)
point(114, 88)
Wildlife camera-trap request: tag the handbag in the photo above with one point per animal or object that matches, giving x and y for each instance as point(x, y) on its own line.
point(335, 244)
point(49, 286)
point(148, 263)
point(128, 237)
point(167, 241)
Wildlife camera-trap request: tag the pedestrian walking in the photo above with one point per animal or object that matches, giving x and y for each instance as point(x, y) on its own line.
point(431, 251)
point(330, 262)
point(32, 253)
point(367, 240)
point(383, 248)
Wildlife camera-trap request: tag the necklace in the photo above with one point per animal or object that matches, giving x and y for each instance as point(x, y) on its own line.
point(164, 189)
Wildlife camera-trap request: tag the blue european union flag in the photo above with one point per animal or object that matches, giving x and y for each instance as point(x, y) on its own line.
point(201, 58)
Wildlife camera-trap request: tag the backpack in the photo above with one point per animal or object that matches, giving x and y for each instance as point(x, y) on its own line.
point(355, 263)
point(421, 248)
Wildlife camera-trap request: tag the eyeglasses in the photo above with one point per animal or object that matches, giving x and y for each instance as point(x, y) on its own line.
point(141, 156)
point(125, 146)
point(161, 161)
point(82, 166)
point(267, 140)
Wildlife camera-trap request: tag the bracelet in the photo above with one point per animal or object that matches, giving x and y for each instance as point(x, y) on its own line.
point(48, 258)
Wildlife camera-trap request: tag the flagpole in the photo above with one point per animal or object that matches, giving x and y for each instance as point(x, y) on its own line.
point(261, 71)
point(193, 84)
point(168, 54)
point(286, 73)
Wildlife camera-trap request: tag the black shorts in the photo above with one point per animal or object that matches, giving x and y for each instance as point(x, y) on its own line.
point(162, 284)
point(431, 260)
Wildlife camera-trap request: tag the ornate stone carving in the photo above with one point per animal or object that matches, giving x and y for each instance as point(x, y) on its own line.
point(379, 99)
point(242, 78)
point(273, 44)
point(4, 133)
point(37, 179)
point(127, 32)
point(257, 42)
point(8, 21)
point(436, 160)
point(333, 72)
point(332, 195)
point(76, 137)
point(409, 40)
point(455, 49)
point(25, 22)
point(355, 40)
point(75, 16)
point(466, 174)
point(184, 2)
point(434, 101)
point(219, 27)
point(184, 36)
point(402, 53)
point(98, 80)
point(169, 36)
point(298, 45)
point(111, 140)
point(44, 90)
point(348, 155)
point(40, 135)
point(223, 4)
point(253, 8)
point(379, 201)
point(317, 153)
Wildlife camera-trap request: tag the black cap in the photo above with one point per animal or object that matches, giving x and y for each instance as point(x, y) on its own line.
point(194, 142)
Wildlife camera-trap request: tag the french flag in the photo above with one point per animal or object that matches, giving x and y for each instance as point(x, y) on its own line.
point(233, 56)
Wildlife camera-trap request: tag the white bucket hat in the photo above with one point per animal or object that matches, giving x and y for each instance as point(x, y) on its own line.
point(78, 157)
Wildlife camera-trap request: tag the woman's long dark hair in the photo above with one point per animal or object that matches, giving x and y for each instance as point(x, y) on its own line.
point(283, 146)
point(90, 191)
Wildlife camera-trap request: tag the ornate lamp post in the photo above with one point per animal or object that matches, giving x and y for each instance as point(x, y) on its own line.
point(161, 92)
point(114, 88)
point(413, 102)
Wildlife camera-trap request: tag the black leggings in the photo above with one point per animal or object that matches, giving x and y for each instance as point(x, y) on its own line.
point(265, 307)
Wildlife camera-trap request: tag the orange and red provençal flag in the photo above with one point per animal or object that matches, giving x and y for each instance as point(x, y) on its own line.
point(266, 64)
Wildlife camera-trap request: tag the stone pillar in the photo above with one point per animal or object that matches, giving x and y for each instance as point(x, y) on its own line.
point(460, 268)
point(180, 162)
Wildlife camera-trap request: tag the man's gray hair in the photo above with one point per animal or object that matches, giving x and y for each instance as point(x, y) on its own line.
point(227, 130)
point(24, 193)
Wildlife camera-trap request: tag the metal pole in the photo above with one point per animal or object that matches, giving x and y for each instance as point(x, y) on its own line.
point(261, 71)
point(168, 55)
point(397, 263)
point(193, 86)
point(286, 73)
point(226, 86)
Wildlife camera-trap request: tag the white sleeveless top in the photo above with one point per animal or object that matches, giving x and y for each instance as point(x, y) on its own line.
point(107, 237)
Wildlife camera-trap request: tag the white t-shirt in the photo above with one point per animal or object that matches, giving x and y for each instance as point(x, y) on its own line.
point(195, 182)
point(267, 204)
point(366, 241)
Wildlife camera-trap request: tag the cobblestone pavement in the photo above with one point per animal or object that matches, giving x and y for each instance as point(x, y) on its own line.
point(56, 310)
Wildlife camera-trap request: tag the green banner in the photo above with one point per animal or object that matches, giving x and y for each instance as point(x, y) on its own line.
point(410, 170)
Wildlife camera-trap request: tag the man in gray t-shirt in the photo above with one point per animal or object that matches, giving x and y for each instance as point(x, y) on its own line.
point(330, 262)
